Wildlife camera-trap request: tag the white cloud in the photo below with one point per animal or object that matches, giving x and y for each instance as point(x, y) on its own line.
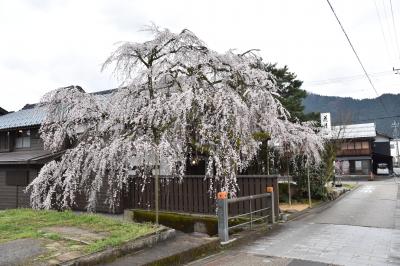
point(49, 44)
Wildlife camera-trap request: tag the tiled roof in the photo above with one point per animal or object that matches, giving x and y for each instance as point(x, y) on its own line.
point(22, 157)
point(366, 130)
point(32, 115)
point(22, 118)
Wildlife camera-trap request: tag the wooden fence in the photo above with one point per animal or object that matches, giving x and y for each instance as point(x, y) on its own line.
point(191, 195)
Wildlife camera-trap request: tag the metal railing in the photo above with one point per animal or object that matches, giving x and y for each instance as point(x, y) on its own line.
point(223, 213)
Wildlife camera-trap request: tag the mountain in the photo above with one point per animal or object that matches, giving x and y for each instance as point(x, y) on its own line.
point(351, 111)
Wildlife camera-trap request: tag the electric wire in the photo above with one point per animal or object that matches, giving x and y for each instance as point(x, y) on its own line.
point(395, 29)
point(382, 31)
point(388, 27)
point(358, 58)
point(346, 78)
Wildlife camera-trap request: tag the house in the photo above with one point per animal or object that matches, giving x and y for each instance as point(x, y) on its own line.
point(381, 152)
point(21, 154)
point(360, 148)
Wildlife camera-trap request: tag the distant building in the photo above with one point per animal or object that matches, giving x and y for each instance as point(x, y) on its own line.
point(381, 152)
point(360, 148)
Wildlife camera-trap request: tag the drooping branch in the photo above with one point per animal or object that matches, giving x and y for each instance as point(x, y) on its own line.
point(177, 95)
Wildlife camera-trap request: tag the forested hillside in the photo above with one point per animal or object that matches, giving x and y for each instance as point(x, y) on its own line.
point(348, 110)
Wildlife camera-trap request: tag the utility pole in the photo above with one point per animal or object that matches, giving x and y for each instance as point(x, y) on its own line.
point(288, 173)
point(396, 126)
point(308, 184)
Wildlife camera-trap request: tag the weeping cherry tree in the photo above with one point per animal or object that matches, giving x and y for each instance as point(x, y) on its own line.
point(177, 97)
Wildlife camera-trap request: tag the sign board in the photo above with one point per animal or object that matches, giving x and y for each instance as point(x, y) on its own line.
point(326, 121)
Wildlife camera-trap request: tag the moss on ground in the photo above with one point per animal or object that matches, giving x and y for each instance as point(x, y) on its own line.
point(185, 222)
point(181, 222)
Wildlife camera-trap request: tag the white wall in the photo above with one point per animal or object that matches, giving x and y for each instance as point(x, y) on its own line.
point(379, 138)
point(394, 145)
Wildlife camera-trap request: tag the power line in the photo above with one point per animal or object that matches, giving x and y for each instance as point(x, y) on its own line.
point(394, 28)
point(383, 32)
point(347, 78)
point(358, 58)
point(388, 27)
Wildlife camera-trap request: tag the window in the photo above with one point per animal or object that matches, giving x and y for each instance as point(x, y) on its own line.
point(3, 141)
point(365, 145)
point(350, 146)
point(23, 139)
point(357, 145)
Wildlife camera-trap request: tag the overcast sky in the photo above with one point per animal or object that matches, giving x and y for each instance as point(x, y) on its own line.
point(50, 44)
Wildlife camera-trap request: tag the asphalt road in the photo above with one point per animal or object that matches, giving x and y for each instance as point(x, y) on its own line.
point(362, 228)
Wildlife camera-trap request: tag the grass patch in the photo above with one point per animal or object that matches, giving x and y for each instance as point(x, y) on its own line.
point(27, 223)
point(349, 186)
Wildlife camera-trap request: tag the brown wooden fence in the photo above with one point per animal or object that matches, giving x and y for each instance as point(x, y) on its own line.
point(191, 195)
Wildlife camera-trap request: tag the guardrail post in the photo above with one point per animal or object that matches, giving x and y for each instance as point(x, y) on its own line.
point(222, 204)
point(270, 190)
point(273, 206)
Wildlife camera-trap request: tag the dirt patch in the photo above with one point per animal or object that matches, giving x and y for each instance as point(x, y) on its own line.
point(76, 234)
point(295, 207)
point(66, 243)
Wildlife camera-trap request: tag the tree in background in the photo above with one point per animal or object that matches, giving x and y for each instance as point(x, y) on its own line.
point(177, 97)
point(291, 94)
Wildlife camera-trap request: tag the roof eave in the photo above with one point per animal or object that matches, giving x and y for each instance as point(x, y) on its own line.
point(20, 127)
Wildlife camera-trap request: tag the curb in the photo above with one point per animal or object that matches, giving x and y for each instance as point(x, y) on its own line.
point(189, 255)
point(129, 247)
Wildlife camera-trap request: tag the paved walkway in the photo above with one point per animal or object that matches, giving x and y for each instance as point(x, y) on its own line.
point(362, 228)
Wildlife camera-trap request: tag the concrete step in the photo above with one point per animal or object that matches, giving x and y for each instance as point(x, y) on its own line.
point(181, 249)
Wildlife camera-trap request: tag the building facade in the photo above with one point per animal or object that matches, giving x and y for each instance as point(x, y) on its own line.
point(360, 148)
point(21, 155)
